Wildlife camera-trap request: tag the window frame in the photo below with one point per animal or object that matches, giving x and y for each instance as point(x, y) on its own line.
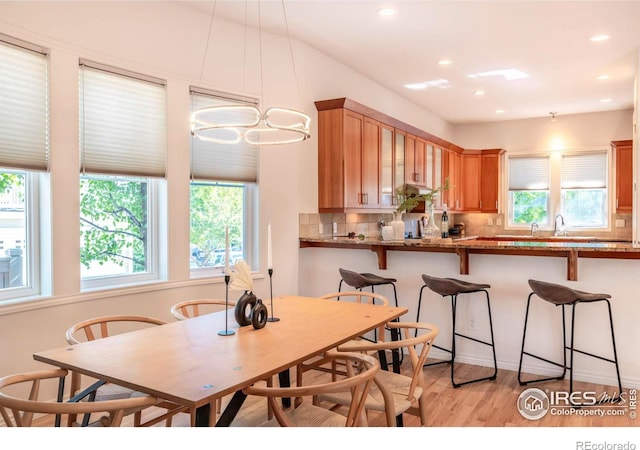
point(32, 287)
point(555, 204)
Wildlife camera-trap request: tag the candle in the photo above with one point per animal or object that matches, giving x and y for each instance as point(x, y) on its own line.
point(269, 261)
point(226, 251)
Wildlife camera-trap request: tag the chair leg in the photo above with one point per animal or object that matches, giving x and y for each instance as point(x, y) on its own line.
point(493, 343)
point(615, 352)
point(523, 352)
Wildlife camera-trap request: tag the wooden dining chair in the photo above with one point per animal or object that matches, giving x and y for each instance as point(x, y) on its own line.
point(20, 411)
point(396, 393)
point(194, 308)
point(353, 385)
point(102, 327)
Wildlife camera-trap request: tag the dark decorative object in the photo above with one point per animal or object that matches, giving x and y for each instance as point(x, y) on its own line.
point(226, 331)
point(244, 308)
point(259, 315)
point(272, 318)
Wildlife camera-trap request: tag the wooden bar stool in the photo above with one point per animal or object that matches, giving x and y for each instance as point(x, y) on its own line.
point(560, 295)
point(451, 287)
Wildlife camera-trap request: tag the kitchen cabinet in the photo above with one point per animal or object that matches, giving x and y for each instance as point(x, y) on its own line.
point(623, 154)
point(387, 166)
point(479, 184)
point(452, 164)
point(348, 161)
point(414, 152)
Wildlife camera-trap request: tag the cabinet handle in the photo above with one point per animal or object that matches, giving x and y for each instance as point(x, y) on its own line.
point(365, 199)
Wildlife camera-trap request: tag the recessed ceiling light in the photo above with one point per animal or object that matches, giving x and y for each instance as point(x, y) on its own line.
point(499, 111)
point(478, 93)
point(507, 74)
point(600, 38)
point(603, 77)
point(386, 12)
point(441, 83)
point(606, 100)
point(445, 62)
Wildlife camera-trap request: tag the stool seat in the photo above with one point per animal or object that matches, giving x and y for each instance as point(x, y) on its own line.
point(361, 280)
point(452, 286)
point(562, 295)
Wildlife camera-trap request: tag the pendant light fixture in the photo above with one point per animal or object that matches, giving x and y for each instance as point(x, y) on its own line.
point(233, 124)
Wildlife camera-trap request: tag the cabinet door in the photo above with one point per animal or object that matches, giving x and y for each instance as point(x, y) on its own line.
point(451, 171)
point(489, 185)
point(419, 162)
point(387, 165)
point(623, 152)
point(371, 164)
point(410, 158)
point(470, 177)
point(400, 172)
point(352, 145)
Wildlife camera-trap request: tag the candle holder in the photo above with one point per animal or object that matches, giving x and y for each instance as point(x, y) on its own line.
point(272, 318)
point(226, 331)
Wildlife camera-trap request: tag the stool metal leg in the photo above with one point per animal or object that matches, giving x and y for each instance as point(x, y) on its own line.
point(452, 351)
point(522, 352)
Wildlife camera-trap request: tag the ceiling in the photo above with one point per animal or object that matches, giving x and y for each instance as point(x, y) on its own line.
point(547, 40)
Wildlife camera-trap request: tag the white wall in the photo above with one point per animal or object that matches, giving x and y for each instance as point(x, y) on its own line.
point(167, 40)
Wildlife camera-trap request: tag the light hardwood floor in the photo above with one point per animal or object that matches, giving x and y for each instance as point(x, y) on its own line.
point(482, 404)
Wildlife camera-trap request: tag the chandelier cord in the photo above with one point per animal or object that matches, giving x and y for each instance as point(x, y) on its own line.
point(260, 46)
point(206, 48)
point(293, 63)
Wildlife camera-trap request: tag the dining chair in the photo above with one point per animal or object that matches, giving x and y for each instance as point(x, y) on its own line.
point(105, 326)
point(353, 385)
point(396, 393)
point(194, 308)
point(20, 411)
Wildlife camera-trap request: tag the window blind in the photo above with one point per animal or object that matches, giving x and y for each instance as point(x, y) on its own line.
point(222, 162)
point(584, 171)
point(122, 123)
point(529, 173)
point(24, 107)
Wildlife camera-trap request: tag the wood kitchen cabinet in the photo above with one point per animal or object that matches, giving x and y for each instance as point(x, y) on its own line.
point(348, 161)
point(480, 180)
point(452, 165)
point(415, 156)
point(623, 153)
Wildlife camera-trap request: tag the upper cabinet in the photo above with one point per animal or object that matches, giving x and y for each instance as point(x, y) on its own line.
point(623, 154)
point(364, 156)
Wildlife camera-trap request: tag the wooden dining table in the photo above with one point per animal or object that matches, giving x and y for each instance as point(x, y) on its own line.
point(188, 362)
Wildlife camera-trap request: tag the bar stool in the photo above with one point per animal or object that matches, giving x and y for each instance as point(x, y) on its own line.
point(451, 287)
point(560, 295)
point(362, 280)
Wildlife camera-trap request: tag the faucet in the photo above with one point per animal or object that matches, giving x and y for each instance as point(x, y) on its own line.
point(534, 228)
point(559, 231)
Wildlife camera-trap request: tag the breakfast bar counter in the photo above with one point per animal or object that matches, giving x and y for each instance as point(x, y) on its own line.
point(570, 248)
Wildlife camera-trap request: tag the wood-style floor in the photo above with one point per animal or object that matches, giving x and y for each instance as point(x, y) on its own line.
point(482, 404)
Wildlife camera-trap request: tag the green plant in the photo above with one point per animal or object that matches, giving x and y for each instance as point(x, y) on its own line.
point(408, 202)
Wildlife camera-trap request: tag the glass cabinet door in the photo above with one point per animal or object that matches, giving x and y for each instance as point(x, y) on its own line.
point(399, 161)
point(386, 166)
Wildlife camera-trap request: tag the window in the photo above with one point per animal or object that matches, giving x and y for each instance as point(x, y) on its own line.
point(24, 145)
point(584, 190)
point(122, 145)
point(223, 193)
point(573, 185)
point(528, 190)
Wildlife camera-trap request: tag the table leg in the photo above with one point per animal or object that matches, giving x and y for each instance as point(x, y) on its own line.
point(285, 381)
point(230, 411)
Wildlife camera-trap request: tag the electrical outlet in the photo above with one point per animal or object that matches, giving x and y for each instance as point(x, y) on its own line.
point(619, 223)
point(490, 221)
point(472, 323)
point(499, 221)
point(320, 229)
point(335, 228)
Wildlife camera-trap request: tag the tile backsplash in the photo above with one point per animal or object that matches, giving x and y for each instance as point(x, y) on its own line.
point(326, 225)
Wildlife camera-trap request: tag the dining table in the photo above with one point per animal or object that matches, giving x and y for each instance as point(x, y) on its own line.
point(196, 361)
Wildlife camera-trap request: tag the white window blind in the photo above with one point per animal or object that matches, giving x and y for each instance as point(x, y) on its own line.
point(122, 123)
point(586, 171)
point(24, 107)
point(222, 162)
point(529, 173)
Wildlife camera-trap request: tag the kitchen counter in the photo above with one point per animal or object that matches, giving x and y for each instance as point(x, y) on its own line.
point(570, 248)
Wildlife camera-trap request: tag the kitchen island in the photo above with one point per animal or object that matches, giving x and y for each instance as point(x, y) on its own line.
point(570, 248)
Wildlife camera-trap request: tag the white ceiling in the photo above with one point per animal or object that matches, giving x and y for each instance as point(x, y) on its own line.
point(548, 40)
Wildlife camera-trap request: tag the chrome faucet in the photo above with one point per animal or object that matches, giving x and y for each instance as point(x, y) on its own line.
point(559, 231)
point(534, 228)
